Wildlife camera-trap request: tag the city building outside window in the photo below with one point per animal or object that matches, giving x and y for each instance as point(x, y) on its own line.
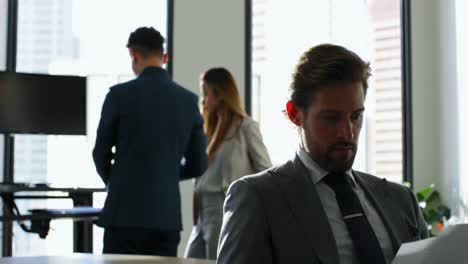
point(73, 37)
point(282, 30)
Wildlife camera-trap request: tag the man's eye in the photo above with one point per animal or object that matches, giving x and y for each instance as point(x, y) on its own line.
point(356, 116)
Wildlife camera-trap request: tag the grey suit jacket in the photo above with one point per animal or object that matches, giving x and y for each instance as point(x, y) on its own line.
point(276, 217)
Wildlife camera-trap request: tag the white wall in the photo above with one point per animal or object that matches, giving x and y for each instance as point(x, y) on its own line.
point(207, 33)
point(435, 103)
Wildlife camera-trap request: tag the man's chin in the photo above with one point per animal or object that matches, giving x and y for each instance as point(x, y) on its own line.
point(334, 164)
point(341, 166)
point(341, 155)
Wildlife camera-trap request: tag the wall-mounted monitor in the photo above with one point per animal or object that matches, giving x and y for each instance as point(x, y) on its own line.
point(42, 104)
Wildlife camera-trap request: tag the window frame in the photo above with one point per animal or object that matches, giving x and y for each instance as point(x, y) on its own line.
point(406, 71)
point(8, 146)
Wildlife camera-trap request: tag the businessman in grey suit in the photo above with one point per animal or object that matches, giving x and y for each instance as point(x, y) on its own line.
point(315, 208)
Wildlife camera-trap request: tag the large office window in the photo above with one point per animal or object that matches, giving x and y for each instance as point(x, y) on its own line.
point(282, 30)
point(73, 37)
point(3, 48)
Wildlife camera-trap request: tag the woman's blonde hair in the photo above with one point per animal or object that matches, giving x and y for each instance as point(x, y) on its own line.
point(218, 122)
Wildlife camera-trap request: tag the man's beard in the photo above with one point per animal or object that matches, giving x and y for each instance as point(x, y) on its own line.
point(326, 161)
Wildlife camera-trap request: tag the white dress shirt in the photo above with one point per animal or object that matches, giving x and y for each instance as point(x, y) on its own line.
point(343, 240)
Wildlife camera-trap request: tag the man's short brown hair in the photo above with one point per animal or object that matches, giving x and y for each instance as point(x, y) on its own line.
point(325, 65)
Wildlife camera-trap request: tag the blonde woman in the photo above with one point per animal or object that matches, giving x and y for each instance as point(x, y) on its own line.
point(235, 149)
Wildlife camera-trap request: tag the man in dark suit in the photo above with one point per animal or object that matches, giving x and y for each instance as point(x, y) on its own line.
point(316, 208)
point(156, 129)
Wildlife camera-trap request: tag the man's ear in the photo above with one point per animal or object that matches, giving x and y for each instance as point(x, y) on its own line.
point(293, 113)
point(133, 54)
point(165, 58)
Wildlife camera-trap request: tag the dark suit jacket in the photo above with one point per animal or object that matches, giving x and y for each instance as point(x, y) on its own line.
point(276, 217)
point(153, 123)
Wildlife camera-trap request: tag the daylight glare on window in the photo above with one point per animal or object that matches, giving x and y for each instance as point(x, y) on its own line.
point(369, 28)
point(73, 37)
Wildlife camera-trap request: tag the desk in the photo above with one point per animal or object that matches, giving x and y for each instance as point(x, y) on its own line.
point(101, 259)
point(81, 197)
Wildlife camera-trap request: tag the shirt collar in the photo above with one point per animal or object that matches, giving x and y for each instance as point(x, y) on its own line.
point(153, 70)
point(315, 171)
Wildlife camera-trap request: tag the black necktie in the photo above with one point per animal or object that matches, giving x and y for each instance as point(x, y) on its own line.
point(365, 241)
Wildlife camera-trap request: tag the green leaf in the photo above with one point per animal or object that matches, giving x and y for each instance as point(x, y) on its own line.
point(433, 196)
point(443, 211)
point(432, 216)
point(432, 208)
point(422, 194)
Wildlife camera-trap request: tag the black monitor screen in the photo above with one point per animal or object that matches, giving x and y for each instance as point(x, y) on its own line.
point(42, 104)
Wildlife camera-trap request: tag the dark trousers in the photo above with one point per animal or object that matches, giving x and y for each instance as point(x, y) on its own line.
point(141, 241)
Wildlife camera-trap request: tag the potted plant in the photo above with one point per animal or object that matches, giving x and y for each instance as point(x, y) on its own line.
point(435, 213)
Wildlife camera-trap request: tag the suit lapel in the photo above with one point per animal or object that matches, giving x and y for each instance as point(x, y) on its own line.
point(378, 195)
point(303, 199)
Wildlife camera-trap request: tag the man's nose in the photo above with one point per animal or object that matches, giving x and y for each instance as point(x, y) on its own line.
point(346, 130)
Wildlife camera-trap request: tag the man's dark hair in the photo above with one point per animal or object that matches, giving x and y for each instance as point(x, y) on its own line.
point(325, 65)
point(147, 41)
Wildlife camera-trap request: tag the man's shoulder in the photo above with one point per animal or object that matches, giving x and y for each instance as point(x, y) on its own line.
point(129, 86)
point(259, 184)
point(266, 179)
point(257, 178)
point(374, 180)
point(185, 92)
point(367, 176)
point(123, 87)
